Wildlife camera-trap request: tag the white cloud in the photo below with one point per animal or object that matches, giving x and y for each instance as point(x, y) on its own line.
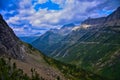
point(42, 1)
point(72, 11)
point(60, 2)
point(13, 20)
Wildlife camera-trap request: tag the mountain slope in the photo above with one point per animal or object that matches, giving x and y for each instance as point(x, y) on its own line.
point(23, 54)
point(9, 43)
point(51, 37)
point(28, 39)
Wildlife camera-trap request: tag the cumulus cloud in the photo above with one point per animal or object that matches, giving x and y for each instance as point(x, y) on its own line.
point(29, 19)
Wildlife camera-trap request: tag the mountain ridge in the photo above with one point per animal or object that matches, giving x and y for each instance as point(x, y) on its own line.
point(51, 37)
point(115, 16)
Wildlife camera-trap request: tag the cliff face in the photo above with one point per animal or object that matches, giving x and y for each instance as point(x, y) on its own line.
point(94, 21)
point(114, 18)
point(9, 43)
point(115, 15)
point(111, 20)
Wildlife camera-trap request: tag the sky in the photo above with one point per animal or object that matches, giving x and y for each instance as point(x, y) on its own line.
point(35, 17)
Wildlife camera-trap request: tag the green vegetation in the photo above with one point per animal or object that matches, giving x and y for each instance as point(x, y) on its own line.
point(73, 72)
point(95, 51)
point(9, 71)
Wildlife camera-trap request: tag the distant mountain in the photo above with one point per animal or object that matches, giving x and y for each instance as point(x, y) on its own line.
point(51, 37)
point(111, 20)
point(28, 39)
point(94, 21)
point(32, 62)
point(114, 18)
point(68, 25)
point(94, 46)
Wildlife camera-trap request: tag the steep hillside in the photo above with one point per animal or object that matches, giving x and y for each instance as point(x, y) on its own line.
point(46, 40)
point(28, 39)
point(94, 21)
point(9, 43)
point(94, 51)
point(24, 55)
point(51, 37)
point(26, 60)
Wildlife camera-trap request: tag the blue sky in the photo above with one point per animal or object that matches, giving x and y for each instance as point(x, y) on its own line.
point(31, 17)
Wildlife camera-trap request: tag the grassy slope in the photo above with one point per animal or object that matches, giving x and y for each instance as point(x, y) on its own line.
point(96, 53)
point(50, 69)
point(69, 71)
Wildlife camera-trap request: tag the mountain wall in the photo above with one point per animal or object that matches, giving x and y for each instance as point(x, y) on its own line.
point(9, 43)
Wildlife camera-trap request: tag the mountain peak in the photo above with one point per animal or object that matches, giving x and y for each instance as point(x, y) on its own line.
point(94, 21)
point(116, 12)
point(68, 25)
point(1, 16)
point(118, 8)
point(113, 18)
point(110, 20)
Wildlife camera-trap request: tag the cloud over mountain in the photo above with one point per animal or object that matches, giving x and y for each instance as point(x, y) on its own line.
point(33, 16)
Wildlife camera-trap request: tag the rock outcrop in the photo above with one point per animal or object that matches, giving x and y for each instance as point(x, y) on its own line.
point(10, 45)
point(111, 20)
point(94, 21)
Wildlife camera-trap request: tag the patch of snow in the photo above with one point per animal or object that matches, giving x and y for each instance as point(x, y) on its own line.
point(85, 26)
point(76, 28)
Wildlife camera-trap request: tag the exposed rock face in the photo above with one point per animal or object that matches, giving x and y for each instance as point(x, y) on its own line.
point(111, 20)
point(9, 43)
point(94, 21)
point(115, 15)
point(114, 18)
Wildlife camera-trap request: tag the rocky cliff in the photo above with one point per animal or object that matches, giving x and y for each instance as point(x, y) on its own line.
point(9, 43)
point(114, 18)
point(94, 21)
point(111, 20)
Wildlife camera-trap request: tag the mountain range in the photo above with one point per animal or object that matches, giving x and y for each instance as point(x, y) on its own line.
point(51, 37)
point(28, 39)
point(93, 46)
point(27, 60)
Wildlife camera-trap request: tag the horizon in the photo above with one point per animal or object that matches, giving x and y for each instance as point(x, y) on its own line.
point(28, 18)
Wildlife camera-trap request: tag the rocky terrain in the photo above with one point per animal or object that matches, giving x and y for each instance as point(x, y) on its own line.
point(9, 43)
